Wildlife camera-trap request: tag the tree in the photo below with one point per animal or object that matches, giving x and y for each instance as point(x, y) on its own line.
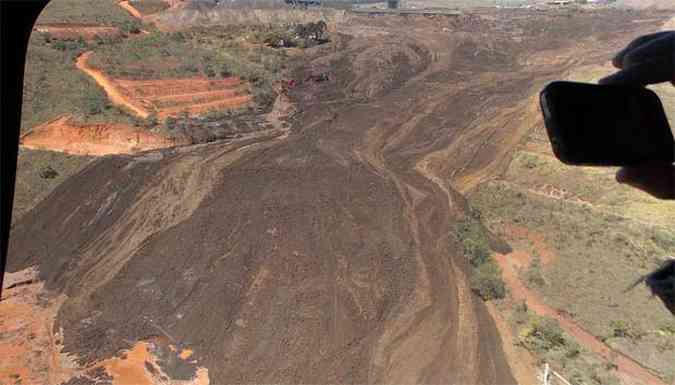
point(486, 281)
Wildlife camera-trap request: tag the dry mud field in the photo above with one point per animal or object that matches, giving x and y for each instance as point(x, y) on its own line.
point(325, 253)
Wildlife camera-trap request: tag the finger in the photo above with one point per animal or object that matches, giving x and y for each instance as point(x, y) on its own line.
point(642, 74)
point(618, 59)
point(656, 49)
point(657, 179)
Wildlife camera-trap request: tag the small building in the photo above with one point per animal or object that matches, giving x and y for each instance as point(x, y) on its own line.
point(393, 4)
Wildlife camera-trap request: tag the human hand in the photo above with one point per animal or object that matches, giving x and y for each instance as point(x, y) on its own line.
point(649, 59)
point(656, 179)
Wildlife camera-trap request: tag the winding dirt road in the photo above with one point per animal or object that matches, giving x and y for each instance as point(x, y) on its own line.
point(113, 92)
point(131, 9)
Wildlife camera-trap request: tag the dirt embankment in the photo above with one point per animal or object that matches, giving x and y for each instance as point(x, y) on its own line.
point(327, 254)
point(66, 135)
point(170, 97)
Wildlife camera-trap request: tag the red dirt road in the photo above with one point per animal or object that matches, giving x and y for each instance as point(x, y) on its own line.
point(131, 9)
point(116, 97)
point(625, 365)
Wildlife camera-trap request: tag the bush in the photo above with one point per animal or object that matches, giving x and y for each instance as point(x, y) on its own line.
point(48, 173)
point(474, 242)
point(623, 329)
point(543, 335)
point(130, 26)
point(486, 281)
point(95, 102)
point(573, 349)
point(534, 275)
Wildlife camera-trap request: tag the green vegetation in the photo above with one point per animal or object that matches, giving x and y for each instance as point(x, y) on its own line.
point(545, 338)
point(534, 275)
point(101, 12)
point(53, 86)
point(543, 335)
point(486, 281)
point(486, 276)
point(623, 329)
point(148, 7)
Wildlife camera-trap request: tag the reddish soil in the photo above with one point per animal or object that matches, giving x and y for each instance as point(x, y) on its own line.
point(192, 95)
point(30, 349)
point(625, 365)
point(131, 9)
point(66, 135)
point(74, 31)
point(537, 240)
point(132, 368)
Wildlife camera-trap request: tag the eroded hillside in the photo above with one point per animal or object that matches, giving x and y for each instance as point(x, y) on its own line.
point(323, 254)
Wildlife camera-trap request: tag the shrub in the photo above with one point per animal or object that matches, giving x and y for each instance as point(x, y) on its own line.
point(130, 26)
point(543, 335)
point(665, 346)
point(48, 173)
point(534, 275)
point(474, 242)
point(486, 281)
point(95, 102)
point(623, 329)
point(573, 349)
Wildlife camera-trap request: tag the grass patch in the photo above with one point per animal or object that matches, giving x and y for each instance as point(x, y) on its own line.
point(101, 12)
point(599, 256)
point(38, 173)
point(148, 7)
point(54, 87)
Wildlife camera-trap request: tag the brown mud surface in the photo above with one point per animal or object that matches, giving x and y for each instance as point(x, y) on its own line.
point(327, 253)
point(74, 31)
point(66, 135)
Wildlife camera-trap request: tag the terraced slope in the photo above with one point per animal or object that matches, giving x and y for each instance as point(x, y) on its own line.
point(169, 97)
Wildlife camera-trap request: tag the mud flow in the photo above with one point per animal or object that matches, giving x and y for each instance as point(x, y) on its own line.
point(317, 247)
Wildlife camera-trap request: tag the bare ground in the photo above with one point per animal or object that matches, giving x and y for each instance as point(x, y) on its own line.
point(66, 135)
